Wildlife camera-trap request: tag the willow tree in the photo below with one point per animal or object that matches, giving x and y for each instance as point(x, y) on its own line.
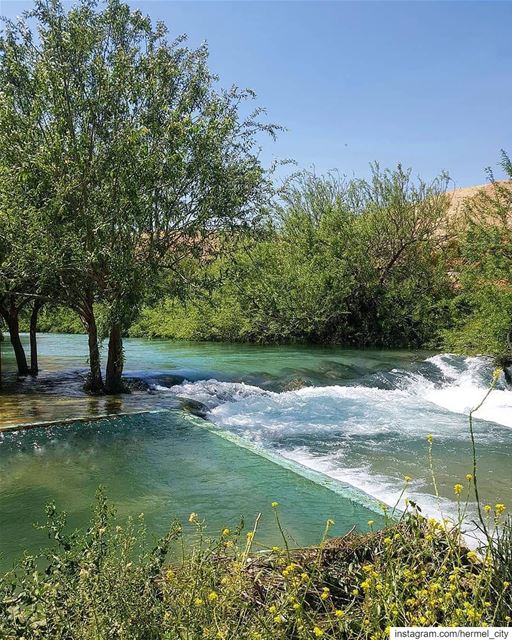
point(134, 158)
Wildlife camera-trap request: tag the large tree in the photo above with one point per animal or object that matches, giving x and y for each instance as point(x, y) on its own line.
point(125, 151)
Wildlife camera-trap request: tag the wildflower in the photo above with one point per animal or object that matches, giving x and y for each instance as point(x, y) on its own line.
point(430, 438)
point(407, 478)
point(275, 505)
point(278, 619)
point(339, 614)
point(318, 632)
point(212, 596)
point(387, 541)
point(250, 535)
point(355, 592)
point(169, 575)
point(458, 489)
point(499, 508)
point(422, 620)
point(469, 477)
point(276, 549)
point(506, 585)
point(496, 374)
point(325, 593)
point(370, 523)
point(304, 577)
point(226, 532)
point(199, 602)
point(272, 608)
point(472, 555)
point(296, 605)
point(192, 518)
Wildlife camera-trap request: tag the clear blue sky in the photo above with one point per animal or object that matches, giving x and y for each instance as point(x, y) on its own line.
point(428, 84)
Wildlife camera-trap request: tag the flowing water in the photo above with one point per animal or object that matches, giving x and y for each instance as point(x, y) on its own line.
point(340, 423)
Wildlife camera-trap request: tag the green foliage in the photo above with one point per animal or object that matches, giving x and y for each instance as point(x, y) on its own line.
point(348, 262)
point(120, 155)
point(56, 320)
point(113, 581)
point(483, 309)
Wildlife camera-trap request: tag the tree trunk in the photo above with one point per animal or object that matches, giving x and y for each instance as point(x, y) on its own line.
point(34, 365)
point(115, 362)
point(10, 316)
point(94, 382)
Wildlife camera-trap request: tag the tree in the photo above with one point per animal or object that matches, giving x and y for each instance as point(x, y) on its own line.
point(483, 307)
point(133, 158)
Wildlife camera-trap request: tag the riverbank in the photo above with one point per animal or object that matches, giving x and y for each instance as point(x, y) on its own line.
point(415, 572)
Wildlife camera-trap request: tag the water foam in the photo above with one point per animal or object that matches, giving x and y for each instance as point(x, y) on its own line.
point(363, 435)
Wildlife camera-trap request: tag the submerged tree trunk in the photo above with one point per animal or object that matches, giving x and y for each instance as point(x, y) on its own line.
point(115, 362)
point(34, 365)
point(10, 315)
point(94, 382)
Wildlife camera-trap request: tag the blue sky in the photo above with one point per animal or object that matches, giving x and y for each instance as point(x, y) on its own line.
point(428, 84)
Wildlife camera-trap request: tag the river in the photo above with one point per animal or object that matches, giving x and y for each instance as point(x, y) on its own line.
point(327, 432)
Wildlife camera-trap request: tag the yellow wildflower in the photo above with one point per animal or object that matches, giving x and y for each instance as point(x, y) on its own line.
point(407, 478)
point(499, 508)
point(430, 438)
point(192, 518)
point(472, 555)
point(275, 505)
point(250, 535)
point(458, 489)
point(370, 523)
point(469, 477)
point(339, 614)
point(487, 508)
point(169, 575)
point(325, 593)
point(226, 532)
point(318, 632)
point(212, 596)
point(199, 602)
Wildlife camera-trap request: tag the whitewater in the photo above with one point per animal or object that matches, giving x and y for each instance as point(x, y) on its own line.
point(372, 432)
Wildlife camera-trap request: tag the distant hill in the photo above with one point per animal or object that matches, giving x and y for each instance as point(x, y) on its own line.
point(459, 197)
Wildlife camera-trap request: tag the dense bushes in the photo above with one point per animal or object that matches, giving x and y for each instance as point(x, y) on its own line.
point(356, 262)
point(483, 307)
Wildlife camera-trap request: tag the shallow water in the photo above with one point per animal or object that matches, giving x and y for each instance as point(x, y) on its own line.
point(164, 465)
point(357, 416)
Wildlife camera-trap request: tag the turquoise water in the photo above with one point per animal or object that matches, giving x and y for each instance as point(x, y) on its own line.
point(347, 417)
point(164, 465)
